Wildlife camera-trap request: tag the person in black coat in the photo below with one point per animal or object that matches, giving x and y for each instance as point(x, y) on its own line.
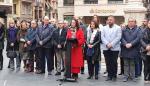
point(59, 37)
point(2, 33)
point(45, 45)
point(145, 51)
point(93, 51)
point(84, 28)
point(130, 48)
point(12, 44)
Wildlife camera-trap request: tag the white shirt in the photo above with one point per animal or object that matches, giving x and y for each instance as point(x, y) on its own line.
point(60, 30)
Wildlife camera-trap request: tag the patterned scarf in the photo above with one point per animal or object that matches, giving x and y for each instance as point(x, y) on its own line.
point(91, 35)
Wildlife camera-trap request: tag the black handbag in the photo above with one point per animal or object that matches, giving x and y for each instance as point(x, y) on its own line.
point(11, 54)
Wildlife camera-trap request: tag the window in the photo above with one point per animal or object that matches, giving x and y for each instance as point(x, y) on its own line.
point(90, 1)
point(1, 0)
point(14, 8)
point(68, 2)
point(26, 8)
point(115, 1)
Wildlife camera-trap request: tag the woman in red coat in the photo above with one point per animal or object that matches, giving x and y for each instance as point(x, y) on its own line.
point(75, 36)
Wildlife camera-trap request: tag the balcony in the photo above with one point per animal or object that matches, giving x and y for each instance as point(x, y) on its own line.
point(115, 1)
point(29, 1)
point(6, 6)
point(5, 2)
point(68, 2)
point(90, 1)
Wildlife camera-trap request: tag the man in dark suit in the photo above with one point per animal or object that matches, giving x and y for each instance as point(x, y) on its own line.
point(59, 36)
point(130, 48)
point(44, 45)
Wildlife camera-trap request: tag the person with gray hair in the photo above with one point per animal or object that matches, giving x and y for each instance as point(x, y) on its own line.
point(45, 45)
point(31, 44)
point(130, 49)
point(59, 39)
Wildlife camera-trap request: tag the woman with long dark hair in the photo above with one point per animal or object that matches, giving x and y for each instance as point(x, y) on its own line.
point(74, 57)
point(22, 43)
point(93, 50)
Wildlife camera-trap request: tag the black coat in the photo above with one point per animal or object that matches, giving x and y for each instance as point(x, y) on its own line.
point(145, 40)
point(96, 45)
point(44, 34)
point(2, 34)
point(59, 39)
point(130, 36)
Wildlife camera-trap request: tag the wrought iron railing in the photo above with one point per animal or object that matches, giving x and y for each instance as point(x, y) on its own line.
point(90, 1)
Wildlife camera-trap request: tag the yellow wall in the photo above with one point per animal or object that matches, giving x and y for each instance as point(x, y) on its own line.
point(18, 6)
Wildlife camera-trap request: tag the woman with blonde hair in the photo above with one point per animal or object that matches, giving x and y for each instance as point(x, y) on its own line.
point(11, 43)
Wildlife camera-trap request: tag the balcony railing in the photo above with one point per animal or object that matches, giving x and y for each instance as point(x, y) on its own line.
point(68, 3)
point(6, 2)
point(90, 1)
point(115, 2)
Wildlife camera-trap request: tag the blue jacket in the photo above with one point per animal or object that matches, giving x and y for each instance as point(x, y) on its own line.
point(44, 34)
point(130, 36)
point(31, 36)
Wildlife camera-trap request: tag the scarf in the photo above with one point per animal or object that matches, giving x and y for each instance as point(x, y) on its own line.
point(12, 34)
point(91, 35)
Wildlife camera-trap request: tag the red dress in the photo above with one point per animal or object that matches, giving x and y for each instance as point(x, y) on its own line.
point(76, 51)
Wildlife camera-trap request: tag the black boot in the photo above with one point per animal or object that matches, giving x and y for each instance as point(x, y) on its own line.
point(96, 77)
point(90, 77)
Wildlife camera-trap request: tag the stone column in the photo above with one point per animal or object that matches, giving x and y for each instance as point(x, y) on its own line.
point(60, 5)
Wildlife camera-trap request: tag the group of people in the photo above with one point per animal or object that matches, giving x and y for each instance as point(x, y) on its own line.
point(65, 46)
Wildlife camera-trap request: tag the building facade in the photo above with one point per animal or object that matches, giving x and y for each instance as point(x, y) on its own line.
point(44, 8)
point(5, 9)
point(51, 8)
point(22, 9)
point(121, 9)
point(38, 9)
point(147, 5)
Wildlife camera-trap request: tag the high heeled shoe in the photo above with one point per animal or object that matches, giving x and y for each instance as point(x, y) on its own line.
point(96, 77)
